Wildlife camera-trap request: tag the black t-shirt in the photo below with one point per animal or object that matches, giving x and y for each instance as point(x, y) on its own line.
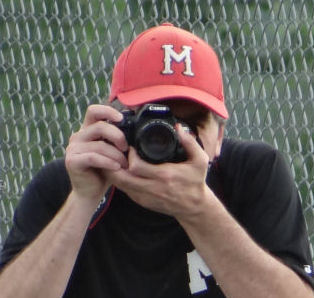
point(130, 251)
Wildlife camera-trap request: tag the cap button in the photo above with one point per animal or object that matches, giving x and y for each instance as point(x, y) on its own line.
point(167, 24)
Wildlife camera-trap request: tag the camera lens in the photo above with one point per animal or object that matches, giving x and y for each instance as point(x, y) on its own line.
point(157, 141)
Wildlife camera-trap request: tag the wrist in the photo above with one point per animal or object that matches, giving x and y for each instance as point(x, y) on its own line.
point(204, 209)
point(90, 196)
point(84, 203)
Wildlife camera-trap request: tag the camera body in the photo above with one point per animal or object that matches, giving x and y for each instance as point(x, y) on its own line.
point(151, 131)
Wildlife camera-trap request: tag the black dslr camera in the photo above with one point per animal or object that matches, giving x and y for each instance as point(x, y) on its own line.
point(151, 131)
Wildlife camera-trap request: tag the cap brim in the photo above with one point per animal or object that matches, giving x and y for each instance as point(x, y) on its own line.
point(159, 92)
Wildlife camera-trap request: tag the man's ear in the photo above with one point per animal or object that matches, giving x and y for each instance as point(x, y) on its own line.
point(220, 136)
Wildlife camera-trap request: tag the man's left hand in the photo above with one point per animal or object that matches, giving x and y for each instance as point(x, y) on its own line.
point(176, 189)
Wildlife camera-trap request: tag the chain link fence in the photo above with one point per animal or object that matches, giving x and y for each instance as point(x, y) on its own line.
point(56, 58)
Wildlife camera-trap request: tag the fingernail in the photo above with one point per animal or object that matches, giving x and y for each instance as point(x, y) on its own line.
point(125, 148)
point(119, 116)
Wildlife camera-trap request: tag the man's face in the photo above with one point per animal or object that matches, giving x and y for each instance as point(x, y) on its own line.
point(197, 116)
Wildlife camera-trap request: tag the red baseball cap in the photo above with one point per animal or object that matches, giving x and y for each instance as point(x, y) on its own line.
point(167, 62)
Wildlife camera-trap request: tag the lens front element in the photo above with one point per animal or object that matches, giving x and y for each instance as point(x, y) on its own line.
point(156, 141)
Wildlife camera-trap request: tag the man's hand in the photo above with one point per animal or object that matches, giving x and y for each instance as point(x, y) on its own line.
point(176, 189)
point(44, 267)
point(96, 149)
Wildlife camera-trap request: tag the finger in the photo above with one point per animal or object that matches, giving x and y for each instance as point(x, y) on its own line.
point(188, 141)
point(143, 169)
point(138, 166)
point(98, 112)
point(102, 131)
point(101, 148)
point(84, 161)
point(126, 181)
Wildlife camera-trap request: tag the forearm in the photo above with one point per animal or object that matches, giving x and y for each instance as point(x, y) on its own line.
point(44, 267)
point(239, 265)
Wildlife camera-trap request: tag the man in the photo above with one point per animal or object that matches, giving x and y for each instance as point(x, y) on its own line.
point(224, 222)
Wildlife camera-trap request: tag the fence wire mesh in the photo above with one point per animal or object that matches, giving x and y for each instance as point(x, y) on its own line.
point(56, 58)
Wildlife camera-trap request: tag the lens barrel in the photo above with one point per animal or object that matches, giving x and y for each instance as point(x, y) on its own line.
point(156, 141)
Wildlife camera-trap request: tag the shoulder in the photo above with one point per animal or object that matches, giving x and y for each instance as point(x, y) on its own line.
point(51, 175)
point(53, 170)
point(247, 157)
point(41, 200)
point(262, 195)
point(49, 187)
point(238, 149)
point(251, 171)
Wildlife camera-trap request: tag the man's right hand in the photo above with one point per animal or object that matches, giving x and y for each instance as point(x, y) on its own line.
point(44, 267)
point(94, 150)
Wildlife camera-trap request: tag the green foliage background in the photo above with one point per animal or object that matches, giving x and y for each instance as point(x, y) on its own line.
point(56, 58)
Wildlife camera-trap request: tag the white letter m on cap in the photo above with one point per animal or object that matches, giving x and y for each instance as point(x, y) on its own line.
point(170, 55)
